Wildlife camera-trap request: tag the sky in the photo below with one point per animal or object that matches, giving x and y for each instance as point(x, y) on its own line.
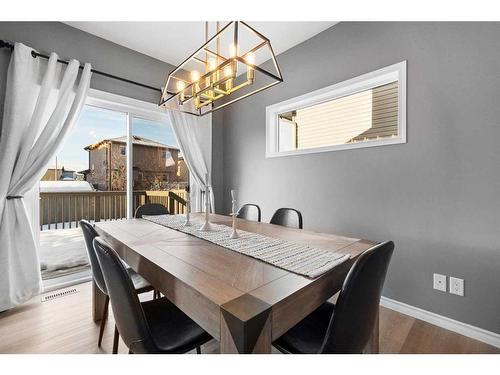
point(96, 124)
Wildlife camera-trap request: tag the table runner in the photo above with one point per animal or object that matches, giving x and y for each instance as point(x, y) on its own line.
point(300, 259)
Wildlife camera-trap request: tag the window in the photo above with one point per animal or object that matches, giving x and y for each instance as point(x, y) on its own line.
point(369, 110)
point(123, 150)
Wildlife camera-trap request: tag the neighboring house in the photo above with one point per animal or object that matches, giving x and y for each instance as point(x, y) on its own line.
point(366, 115)
point(182, 170)
point(154, 164)
point(61, 174)
point(52, 174)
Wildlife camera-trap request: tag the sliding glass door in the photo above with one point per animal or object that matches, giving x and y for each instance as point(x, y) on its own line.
point(121, 154)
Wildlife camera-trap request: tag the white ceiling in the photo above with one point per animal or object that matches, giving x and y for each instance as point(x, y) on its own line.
point(172, 42)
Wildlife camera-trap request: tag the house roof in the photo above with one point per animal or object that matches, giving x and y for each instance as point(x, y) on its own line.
point(136, 141)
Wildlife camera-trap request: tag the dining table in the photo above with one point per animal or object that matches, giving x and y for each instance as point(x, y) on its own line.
point(242, 302)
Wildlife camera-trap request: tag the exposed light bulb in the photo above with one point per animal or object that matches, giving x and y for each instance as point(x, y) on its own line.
point(180, 85)
point(250, 58)
point(228, 73)
point(180, 89)
point(195, 75)
point(233, 50)
point(212, 64)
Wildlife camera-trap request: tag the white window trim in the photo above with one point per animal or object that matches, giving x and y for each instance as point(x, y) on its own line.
point(351, 86)
point(119, 103)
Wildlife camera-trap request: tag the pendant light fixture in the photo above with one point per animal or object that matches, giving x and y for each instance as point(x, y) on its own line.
point(235, 63)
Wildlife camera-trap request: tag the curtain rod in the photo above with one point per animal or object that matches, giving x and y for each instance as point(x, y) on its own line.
point(35, 54)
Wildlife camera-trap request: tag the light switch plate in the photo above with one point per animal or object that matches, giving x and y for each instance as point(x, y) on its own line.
point(439, 282)
point(456, 286)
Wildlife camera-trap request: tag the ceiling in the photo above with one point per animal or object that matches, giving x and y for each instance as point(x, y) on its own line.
point(172, 42)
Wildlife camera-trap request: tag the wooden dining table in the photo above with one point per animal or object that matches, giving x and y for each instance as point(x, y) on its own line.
point(242, 302)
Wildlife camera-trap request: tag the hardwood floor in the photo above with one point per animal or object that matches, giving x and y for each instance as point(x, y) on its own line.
point(64, 325)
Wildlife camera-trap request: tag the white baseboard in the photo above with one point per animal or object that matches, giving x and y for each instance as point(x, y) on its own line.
point(468, 330)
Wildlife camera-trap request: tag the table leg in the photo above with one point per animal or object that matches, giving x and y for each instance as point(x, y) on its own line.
point(245, 326)
point(98, 301)
point(373, 344)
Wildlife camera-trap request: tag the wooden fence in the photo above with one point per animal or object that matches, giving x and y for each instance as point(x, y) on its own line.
point(64, 210)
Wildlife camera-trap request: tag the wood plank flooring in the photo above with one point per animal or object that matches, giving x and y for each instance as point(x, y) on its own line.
point(65, 325)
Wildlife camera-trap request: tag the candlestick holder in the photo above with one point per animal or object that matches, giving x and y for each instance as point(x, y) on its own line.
point(207, 226)
point(188, 210)
point(234, 213)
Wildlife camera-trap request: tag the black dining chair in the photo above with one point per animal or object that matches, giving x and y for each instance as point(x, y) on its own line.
point(249, 212)
point(156, 326)
point(347, 326)
point(150, 209)
point(140, 284)
point(287, 217)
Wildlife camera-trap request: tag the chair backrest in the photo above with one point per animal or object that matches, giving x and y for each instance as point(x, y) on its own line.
point(150, 209)
point(249, 212)
point(127, 310)
point(287, 217)
point(356, 310)
point(89, 233)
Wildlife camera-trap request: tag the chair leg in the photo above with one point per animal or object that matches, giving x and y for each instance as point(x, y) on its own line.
point(115, 341)
point(104, 318)
point(198, 350)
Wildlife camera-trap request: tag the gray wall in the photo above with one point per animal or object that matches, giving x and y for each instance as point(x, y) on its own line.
point(436, 196)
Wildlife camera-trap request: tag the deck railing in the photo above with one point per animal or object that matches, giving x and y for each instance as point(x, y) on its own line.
point(65, 210)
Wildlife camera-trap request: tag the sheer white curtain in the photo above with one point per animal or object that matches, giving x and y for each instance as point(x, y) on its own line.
point(194, 136)
point(43, 101)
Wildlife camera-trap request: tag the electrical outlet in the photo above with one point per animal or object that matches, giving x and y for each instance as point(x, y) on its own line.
point(456, 286)
point(440, 282)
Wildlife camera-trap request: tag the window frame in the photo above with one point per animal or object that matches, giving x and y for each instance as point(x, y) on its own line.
point(388, 74)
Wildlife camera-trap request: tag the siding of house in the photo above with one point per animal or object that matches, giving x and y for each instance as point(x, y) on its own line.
point(182, 171)
point(98, 166)
point(150, 170)
point(51, 174)
point(365, 115)
point(118, 167)
point(384, 121)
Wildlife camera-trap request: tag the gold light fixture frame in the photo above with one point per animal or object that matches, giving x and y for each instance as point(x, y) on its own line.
point(198, 99)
